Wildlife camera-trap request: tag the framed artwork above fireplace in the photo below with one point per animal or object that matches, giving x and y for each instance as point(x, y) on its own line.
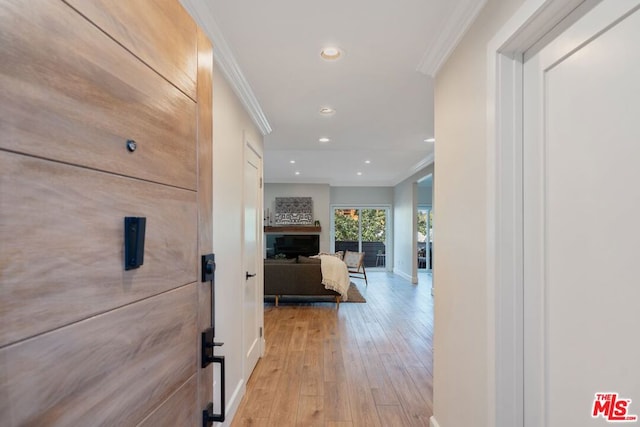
point(294, 211)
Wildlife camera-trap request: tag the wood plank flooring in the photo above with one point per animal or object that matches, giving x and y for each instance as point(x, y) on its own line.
point(361, 365)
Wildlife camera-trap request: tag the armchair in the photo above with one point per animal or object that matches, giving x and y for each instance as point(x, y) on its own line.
point(355, 265)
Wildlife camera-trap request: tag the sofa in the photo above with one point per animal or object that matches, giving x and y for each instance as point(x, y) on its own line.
point(300, 276)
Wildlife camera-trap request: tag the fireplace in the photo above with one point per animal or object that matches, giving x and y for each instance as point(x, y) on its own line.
point(292, 245)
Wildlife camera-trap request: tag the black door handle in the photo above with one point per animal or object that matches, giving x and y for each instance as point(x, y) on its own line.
point(208, 416)
point(249, 275)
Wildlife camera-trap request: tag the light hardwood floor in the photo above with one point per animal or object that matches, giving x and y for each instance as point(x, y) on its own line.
point(361, 365)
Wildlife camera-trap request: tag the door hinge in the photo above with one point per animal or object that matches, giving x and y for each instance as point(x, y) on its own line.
point(260, 182)
point(260, 331)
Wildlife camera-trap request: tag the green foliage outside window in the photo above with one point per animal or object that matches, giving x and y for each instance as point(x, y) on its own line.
point(346, 225)
point(373, 224)
point(422, 222)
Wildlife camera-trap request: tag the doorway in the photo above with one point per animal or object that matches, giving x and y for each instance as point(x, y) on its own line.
point(549, 278)
point(567, 277)
point(425, 238)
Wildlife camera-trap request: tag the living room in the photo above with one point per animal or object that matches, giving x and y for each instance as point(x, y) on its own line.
point(395, 200)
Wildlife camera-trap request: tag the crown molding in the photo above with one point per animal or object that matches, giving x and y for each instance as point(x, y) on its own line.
point(449, 36)
point(223, 56)
point(427, 161)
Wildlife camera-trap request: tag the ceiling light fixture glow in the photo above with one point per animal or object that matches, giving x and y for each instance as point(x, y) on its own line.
point(367, 161)
point(292, 161)
point(359, 173)
point(330, 53)
point(297, 172)
point(430, 140)
point(327, 111)
point(324, 139)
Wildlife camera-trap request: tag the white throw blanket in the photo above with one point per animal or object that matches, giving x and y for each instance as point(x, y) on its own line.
point(335, 275)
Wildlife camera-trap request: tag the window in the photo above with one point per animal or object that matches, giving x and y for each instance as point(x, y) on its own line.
point(361, 230)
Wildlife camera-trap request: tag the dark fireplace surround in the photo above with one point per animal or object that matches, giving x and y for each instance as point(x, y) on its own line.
point(292, 245)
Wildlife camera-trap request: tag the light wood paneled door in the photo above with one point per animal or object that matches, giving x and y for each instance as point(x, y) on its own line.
point(71, 93)
point(205, 201)
point(361, 365)
point(82, 340)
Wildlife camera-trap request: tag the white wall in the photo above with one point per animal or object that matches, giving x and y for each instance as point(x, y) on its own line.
point(231, 126)
point(425, 196)
point(405, 225)
point(461, 330)
point(320, 193)
point(358, 196)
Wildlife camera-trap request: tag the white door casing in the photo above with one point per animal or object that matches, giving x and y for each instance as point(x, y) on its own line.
point(252, 276)
point(580, 151)
point(533, 25)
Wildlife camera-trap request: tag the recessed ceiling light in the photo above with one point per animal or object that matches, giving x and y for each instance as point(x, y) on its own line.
point(367, 161)
point(327, 111)
point(297, 173)
point(292, 161)
point(324, 139)
point(430, 140)
point(359, 173)
point(330, 53)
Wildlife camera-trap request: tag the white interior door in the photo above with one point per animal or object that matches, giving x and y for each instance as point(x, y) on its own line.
point(581, 229)
point(252, 295)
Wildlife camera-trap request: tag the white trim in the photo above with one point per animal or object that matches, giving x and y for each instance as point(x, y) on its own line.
point(427, 161)
point(525, 30)
point(404, 276)
point(449, 36)
point(225, 59)
point(504, 240)
point(234, 403)
point(433, 422)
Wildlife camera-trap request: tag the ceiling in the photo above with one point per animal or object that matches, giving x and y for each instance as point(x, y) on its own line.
point(381, 88)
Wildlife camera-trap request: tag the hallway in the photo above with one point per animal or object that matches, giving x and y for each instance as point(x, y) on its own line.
point(361, 365)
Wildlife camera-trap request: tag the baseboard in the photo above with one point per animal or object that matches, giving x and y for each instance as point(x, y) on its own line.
point(433, 422)
point(404, 275)
point(234, 403)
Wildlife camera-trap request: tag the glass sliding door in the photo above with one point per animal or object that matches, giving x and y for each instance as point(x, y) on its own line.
point(346, 230)
point(362, 230)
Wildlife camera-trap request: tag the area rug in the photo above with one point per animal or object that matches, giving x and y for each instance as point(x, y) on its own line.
point(353, 295)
